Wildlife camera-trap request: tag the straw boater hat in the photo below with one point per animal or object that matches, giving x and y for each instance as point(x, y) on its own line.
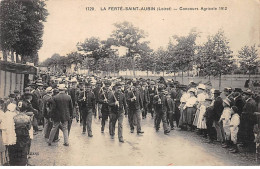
point(62, 87)
point(49, 90)
point(202, 86)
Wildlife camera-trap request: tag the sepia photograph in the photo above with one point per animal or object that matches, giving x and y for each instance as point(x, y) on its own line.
point(129, 83)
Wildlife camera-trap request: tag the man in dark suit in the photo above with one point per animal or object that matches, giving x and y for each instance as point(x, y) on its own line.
point(146, 99)
point(217, 111)
point(117, 103)
point(103, 99)
point(88, 102)
point(62, 113)
point(160, 107)
point(135, 108)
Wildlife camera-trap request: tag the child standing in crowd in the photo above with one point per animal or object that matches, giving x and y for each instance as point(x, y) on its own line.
point(225, 119)
point(234, 123)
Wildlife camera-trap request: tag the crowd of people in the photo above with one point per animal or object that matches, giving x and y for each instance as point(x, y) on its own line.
point(53, 101)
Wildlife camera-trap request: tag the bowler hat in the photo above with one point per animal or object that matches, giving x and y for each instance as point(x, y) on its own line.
point(217, 91)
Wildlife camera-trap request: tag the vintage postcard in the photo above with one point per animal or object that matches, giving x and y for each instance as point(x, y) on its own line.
point(130, 83)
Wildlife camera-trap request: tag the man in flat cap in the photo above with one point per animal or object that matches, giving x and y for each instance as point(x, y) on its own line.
point(135, 108)
point(248, 119)
point(88, 102)
point(117, 103)
point(103, 99)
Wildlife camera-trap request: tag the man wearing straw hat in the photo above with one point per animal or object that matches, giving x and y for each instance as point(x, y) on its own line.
point(63, 113)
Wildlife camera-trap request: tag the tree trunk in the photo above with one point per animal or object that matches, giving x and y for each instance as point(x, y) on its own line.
point(17, 58)
point(12, 56)
point(174, 76)
point(133, 62)
point(4, 55)
point(163, 73)
point(182, 76)
point(219, 81)
point(147, 72)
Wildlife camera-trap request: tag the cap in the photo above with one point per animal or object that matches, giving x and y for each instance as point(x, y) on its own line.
point(118, 84)
point(12, 95)
point(27, 93)
point(238, 90)
point(16, 91)
point(107, 82)
point(217, 91)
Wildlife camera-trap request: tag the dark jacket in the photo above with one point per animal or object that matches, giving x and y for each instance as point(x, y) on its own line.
point(160, 107)
point(73, 92)
point(89, 102)
point(62, 108)
point(218, 108)
point(47, 105)
point(120, 97)
point(170, 105)
point(136, 104)
point(102, 95)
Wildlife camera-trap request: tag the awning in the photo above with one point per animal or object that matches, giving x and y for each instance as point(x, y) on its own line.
point(17, 68)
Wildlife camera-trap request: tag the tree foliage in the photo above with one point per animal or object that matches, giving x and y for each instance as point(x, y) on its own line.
point(248, 56)
point(22, 26)
point(214, 58)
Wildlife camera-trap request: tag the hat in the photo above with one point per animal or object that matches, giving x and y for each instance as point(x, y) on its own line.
point(248, 92)
point(238, 90)
point(61, 87)
point(202, 86)
point(27, 89)
point(144, 84)
point(193, 90)
point(107, 82)
point(227, 89)
point(152, 83)
point(160, 86)
point(16, 91)
point(12, 95)
point(208, 99)
point(55, 91)
point(74, 80)
point(39, 84)
point(45, 85)
point(27, 93)
point(227, 101)
point(217, 91)
point(118, 84)
point(49, 90)
point(99, 82)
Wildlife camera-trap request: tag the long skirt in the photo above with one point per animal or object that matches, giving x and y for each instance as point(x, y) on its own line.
point(190, 115)
point(183, 117)
point(201, 122)
point(196, 118)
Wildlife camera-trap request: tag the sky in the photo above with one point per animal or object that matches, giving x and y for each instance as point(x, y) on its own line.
point(69, 22)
